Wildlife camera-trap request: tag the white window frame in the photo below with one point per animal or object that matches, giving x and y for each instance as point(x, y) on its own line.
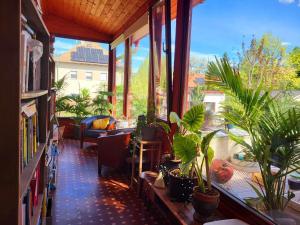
point(72, 73)
point(102, 75)
point(88, 75)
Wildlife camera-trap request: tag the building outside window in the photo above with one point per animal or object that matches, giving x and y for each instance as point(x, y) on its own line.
point(103, 76)
point(88, 75)
point(73, 75)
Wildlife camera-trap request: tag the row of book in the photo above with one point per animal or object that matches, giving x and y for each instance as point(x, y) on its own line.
point(29, 134)
point(31, 53)
point(31, 198)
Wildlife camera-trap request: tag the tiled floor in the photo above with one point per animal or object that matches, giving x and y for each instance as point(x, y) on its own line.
point(84, 198)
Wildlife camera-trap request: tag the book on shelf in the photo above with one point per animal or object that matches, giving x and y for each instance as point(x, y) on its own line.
point(29, 135)
point(30, 200)
point(31, 53)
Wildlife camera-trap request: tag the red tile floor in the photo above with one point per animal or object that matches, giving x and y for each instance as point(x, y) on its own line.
point(83, 198)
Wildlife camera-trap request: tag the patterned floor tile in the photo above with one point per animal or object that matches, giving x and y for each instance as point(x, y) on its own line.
point(83, 198)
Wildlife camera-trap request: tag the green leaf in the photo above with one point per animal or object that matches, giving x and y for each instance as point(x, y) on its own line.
point(164, 126)
point(193, 119)
point(184, 148)
point(206, 141)
point(174, 118)
point(210, 155)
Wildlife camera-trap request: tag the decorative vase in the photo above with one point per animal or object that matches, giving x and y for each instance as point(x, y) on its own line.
point(204, 204)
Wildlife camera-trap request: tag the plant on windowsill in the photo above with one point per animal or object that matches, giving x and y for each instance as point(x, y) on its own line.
point(189, 146)
point(274, 131)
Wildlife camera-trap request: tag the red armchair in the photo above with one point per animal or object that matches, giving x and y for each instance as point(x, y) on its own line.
point(113, 150)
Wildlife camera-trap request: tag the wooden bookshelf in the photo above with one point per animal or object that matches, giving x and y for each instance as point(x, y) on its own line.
point(16, 181)
point(29, 170)
point(37, 210)
point(34, 94)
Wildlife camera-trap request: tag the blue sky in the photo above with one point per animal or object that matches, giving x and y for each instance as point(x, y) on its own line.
point(220, 26)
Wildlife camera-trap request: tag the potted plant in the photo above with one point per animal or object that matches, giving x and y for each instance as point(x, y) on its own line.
point(273, 128)
point(188, 146)
point(100, 104)
point(205, 198)
point(79, 105)
point(61, 102)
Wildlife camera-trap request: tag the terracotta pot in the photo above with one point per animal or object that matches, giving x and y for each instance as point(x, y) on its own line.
point(180, 188)
point(205, 204)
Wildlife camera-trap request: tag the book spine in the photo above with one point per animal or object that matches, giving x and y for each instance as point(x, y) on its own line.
point(25, 145)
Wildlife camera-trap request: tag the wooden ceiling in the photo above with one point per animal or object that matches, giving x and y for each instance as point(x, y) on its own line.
point(96, 20)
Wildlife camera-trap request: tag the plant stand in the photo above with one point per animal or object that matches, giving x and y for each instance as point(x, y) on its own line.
point(144, 146)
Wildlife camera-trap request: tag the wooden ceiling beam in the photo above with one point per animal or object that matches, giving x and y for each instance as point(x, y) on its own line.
point(65, 28)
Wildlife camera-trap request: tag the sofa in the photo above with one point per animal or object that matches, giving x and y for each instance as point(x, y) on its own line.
point(87, 134)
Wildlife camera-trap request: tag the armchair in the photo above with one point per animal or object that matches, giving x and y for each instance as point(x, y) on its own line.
point(113, 150)
point(91, 135)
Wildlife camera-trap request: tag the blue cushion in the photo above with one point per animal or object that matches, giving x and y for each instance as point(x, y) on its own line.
point(93, 133)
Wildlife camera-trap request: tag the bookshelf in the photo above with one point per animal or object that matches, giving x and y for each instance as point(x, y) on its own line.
point(26, 112)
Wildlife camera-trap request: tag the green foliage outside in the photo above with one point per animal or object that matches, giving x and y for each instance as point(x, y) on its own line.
point(273, 127)
point(266, 61)
point(139, 90)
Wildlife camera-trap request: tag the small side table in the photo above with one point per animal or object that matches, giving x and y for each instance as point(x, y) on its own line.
point(144, 146)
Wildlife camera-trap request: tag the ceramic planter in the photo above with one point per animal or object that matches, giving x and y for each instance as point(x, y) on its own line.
point(180, 188)
point(205, 204)
point(166, 167)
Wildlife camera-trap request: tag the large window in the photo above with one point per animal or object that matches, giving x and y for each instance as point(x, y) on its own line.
point(138, 84)
point(159, 44)
point(81, 62)
point(120, 53)
point(259, 39)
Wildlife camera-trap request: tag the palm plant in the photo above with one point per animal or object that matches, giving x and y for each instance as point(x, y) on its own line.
point(80, 105)
point(274, 131)
point(101, 105)
point(61, 101)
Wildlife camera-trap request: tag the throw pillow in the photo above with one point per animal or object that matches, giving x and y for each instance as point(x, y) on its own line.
point(100, 124)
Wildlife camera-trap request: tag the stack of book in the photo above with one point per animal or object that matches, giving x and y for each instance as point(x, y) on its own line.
point(31, 199)
point(31, 52)
point(29, 134)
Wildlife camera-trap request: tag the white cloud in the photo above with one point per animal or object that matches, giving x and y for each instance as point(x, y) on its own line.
point(286, 43)
point(286, 1)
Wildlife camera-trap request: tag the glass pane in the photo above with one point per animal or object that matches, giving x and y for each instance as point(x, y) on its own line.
point(80, 62)
point(119, 80)
point(160, 61)
point(138, 84)
point(260, 39)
